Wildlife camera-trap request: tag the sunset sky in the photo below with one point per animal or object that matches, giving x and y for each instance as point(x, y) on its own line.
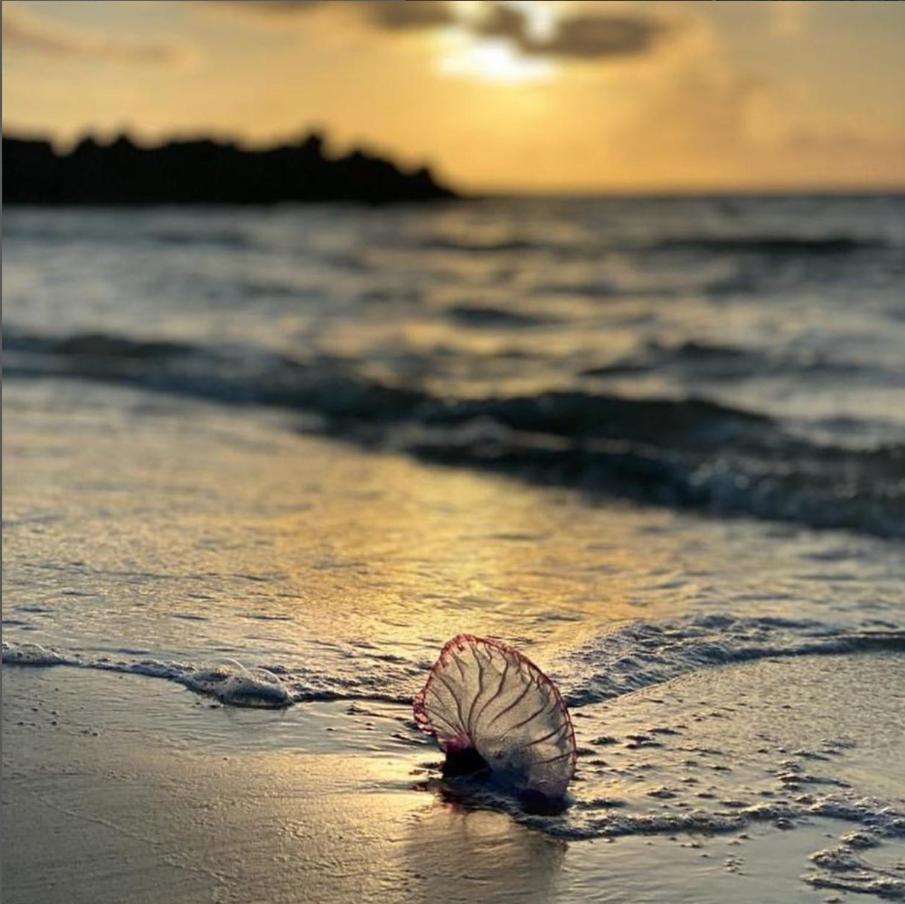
point(536, 96)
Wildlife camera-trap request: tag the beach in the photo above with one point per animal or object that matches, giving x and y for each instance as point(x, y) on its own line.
point(257, 473)
point(694, 778)
point(114, 782)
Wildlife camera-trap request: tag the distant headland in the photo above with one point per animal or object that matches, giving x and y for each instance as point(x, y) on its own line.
point(204, 171)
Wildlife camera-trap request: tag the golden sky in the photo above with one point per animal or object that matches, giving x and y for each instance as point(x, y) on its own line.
point(537, 96)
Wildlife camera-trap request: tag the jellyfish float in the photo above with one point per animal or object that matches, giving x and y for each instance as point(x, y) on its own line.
point(495, 713)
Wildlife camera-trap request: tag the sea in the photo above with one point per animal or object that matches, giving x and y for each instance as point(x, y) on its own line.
point(280, 455)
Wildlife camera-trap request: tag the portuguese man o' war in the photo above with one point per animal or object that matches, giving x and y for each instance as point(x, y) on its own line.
point(492, 710)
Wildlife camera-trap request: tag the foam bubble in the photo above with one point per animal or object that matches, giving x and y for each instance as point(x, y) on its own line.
point(31, 654)
point(239, 686)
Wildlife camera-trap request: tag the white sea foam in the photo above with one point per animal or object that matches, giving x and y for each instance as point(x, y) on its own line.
point(33, 654)
point(678, 754)
point(631, 657)
point(645, 653)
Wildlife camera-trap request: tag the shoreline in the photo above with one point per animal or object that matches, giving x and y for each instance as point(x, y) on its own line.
point(179, 799)
point(117, 781)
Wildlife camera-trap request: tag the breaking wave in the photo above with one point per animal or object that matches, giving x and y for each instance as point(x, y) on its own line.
point(619, 662)
point(773, 245)
point(647, 653)
point(688, 452)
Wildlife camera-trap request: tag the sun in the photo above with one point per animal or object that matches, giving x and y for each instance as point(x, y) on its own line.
point(491, 60)
point(464, 52)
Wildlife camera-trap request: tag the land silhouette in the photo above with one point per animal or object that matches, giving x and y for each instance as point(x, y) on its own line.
point(204, 171)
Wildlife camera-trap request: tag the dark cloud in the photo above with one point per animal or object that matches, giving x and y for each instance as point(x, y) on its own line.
point(278, 7)
point(23, 29)
point(576, 35)
point(597, 37)
point(583, 36)
point(389, 14)
point(409, 14)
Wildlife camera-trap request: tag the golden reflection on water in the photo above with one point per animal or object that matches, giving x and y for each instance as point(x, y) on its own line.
point(480, 855)
point(292, 541)
point(429, 552)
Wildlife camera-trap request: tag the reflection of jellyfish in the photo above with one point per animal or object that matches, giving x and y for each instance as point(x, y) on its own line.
point(461, 856)
point(491, 709)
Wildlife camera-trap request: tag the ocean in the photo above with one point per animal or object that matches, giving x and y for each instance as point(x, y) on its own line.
point(278, 456)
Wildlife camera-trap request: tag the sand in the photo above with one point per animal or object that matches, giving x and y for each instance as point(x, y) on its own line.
point(125, 788)
point(101, 805)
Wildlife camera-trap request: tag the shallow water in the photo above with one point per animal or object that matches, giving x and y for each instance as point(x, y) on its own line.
point(340, 464)
point(133, 540)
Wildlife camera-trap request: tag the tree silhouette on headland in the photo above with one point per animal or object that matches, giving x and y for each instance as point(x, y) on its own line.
point(204, 171)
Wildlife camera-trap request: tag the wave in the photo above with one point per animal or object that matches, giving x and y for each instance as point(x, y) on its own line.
point(272, 686)
point(723, 362)
point(592, 289)
point(631, 657)
point(127, 232)
point(483, 316)
point(760, 244)
point(468, 246)
point(236, 241)
point(878, 817)
point(642, 654)
point(772, 245)
point(238, 374)
point(690, 452)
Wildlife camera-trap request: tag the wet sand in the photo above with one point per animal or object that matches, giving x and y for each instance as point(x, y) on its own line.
point(100, 804)
point(122, 787)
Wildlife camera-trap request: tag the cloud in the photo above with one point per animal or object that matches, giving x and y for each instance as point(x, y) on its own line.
point(571, 35)
point(392, 15)
point(596, 37)
point(582, 36)
point(832, 139)
point(694, 103)
point(410, 14)
point(788, 18)
point(23, 29)
point(264, 7)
